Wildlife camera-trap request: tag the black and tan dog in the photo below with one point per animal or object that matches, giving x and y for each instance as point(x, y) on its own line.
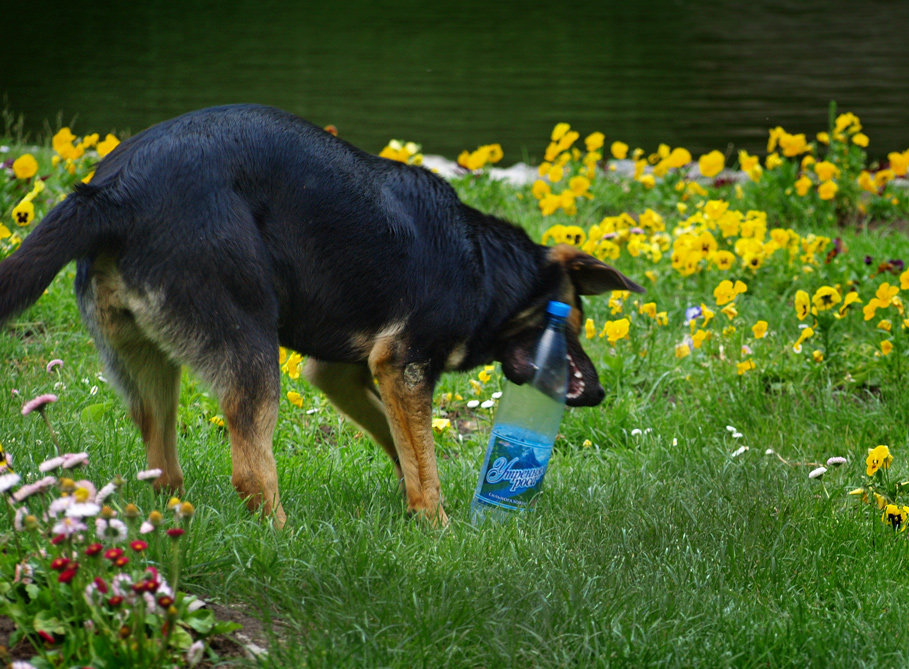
point(210, 239)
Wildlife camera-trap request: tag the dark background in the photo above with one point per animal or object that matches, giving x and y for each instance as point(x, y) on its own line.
point(454, 75)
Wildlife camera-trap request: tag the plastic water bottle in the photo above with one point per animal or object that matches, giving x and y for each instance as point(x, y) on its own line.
point(525, 428)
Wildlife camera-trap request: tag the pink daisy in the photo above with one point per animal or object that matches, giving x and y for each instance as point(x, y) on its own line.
point(38, 403)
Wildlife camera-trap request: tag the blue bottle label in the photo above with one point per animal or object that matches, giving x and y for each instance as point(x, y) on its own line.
point(514, 476)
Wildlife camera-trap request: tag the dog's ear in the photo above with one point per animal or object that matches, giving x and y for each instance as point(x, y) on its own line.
point(589, 275)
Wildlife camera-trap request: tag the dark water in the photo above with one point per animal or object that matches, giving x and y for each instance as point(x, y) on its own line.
point(454, 75)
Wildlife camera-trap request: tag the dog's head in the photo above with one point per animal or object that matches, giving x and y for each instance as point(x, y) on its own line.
point(575, 274)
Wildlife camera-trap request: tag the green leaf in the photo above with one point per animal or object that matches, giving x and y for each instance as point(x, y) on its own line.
point(201, 620)
point(225, 627)
point(180, 638)
point(33, 591)
point(94, 412)
point(47, 622)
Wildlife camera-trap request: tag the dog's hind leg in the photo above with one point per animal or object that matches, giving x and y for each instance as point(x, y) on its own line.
point(249, 400)
point(145, 375)
point(351, 389)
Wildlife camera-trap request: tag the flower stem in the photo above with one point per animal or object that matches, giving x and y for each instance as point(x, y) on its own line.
point(51, 430)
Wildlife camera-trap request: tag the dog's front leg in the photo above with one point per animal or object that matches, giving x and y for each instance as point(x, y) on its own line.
point(406, 390)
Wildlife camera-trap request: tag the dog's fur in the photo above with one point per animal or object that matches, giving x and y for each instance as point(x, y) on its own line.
point(210, 239)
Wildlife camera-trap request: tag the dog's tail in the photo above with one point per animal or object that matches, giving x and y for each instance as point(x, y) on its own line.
point(71, 230)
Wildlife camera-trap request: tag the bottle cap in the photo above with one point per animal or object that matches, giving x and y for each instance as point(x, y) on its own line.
point(558, 309)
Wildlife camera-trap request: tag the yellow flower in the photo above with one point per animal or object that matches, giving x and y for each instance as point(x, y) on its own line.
point(292, 366)
point(25, 166)
point(63, 142)
point(826, 170)
point(851, 298)
point(730, 311)
point(860, 139)
point(823, 137)
point(580, 186)
point(773, 160)
point(648, 181)
point(559, 131)
point(711, 163)
point(699, 337)
point(826, 297)
point(895, 516)
point(744, 366)
point(817, 355)
point(759, 329)
point(619, 150)
point(793, 145)
point(727, 291)
point(706, 313)
point(594, 141)
point(615, 330)
point(24, 212)
point(682, 350)
point(899, 162)
point(724, 259)
point(590, 329)
point(885, 325)
point(827, 190)
point(439, 425)
point(540, 189)
point(295, 398)
point(886, 347)
point(109, 144)
point(866, 182)
point(216, 420)
point(4, 232)
point(803, 185)
point(878, 458)
point(802, 304)
point(806, 334)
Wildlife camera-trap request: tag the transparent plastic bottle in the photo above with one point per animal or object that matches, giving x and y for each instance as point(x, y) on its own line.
point(525, 428)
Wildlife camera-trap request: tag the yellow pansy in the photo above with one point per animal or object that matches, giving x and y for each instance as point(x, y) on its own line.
point(590, 329)
point(759, 329)
point(109, 143)
point(439, 425)
point(616, 330)
point(879, 457)
point(745, 366)
point(827, 190)
point(619, 150)
point(295, 398)
point(594, 141)
point(826, 170)
point(802, 304)
point(711, 163)
point(803, 185)
point(826, 297)
point(682, 350)
point(886, 347)
point(25, 166)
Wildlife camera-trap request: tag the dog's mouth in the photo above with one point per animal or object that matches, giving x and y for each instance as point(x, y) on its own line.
point(583, 387)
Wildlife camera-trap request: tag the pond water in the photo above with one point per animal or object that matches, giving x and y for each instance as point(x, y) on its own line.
point(454, 75)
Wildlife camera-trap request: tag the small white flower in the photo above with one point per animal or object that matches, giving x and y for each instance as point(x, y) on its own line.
point(7, 481)
point(741, 449)
point(112, 529)
point(473, 404)
point(836, 461)
point(737, 435)
point(105, 492)
point(69, 526)
point(146, 527)
point(59, 505)
point(73, 460)
point(729, 428)
point(148, 474)
point(817, 473)
point(21, 513)
point(636, 432)
point(770, 451)
point(488, 404)
point(50, 465)
point(93, 391)
point(83, 510)
point(194, 653)
point(33, 488)
point(675, 441)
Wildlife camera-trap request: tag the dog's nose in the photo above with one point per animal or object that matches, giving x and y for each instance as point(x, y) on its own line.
point(599, 395)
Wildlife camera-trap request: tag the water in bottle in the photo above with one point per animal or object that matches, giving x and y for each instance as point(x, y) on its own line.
point(525, 428)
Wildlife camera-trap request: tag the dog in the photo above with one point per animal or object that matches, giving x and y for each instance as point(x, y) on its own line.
point(210, 239)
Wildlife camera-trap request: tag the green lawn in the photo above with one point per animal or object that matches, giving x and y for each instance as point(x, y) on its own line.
point(656, 541)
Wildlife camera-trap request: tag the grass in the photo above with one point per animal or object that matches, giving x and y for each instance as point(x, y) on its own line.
point(651, 546)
